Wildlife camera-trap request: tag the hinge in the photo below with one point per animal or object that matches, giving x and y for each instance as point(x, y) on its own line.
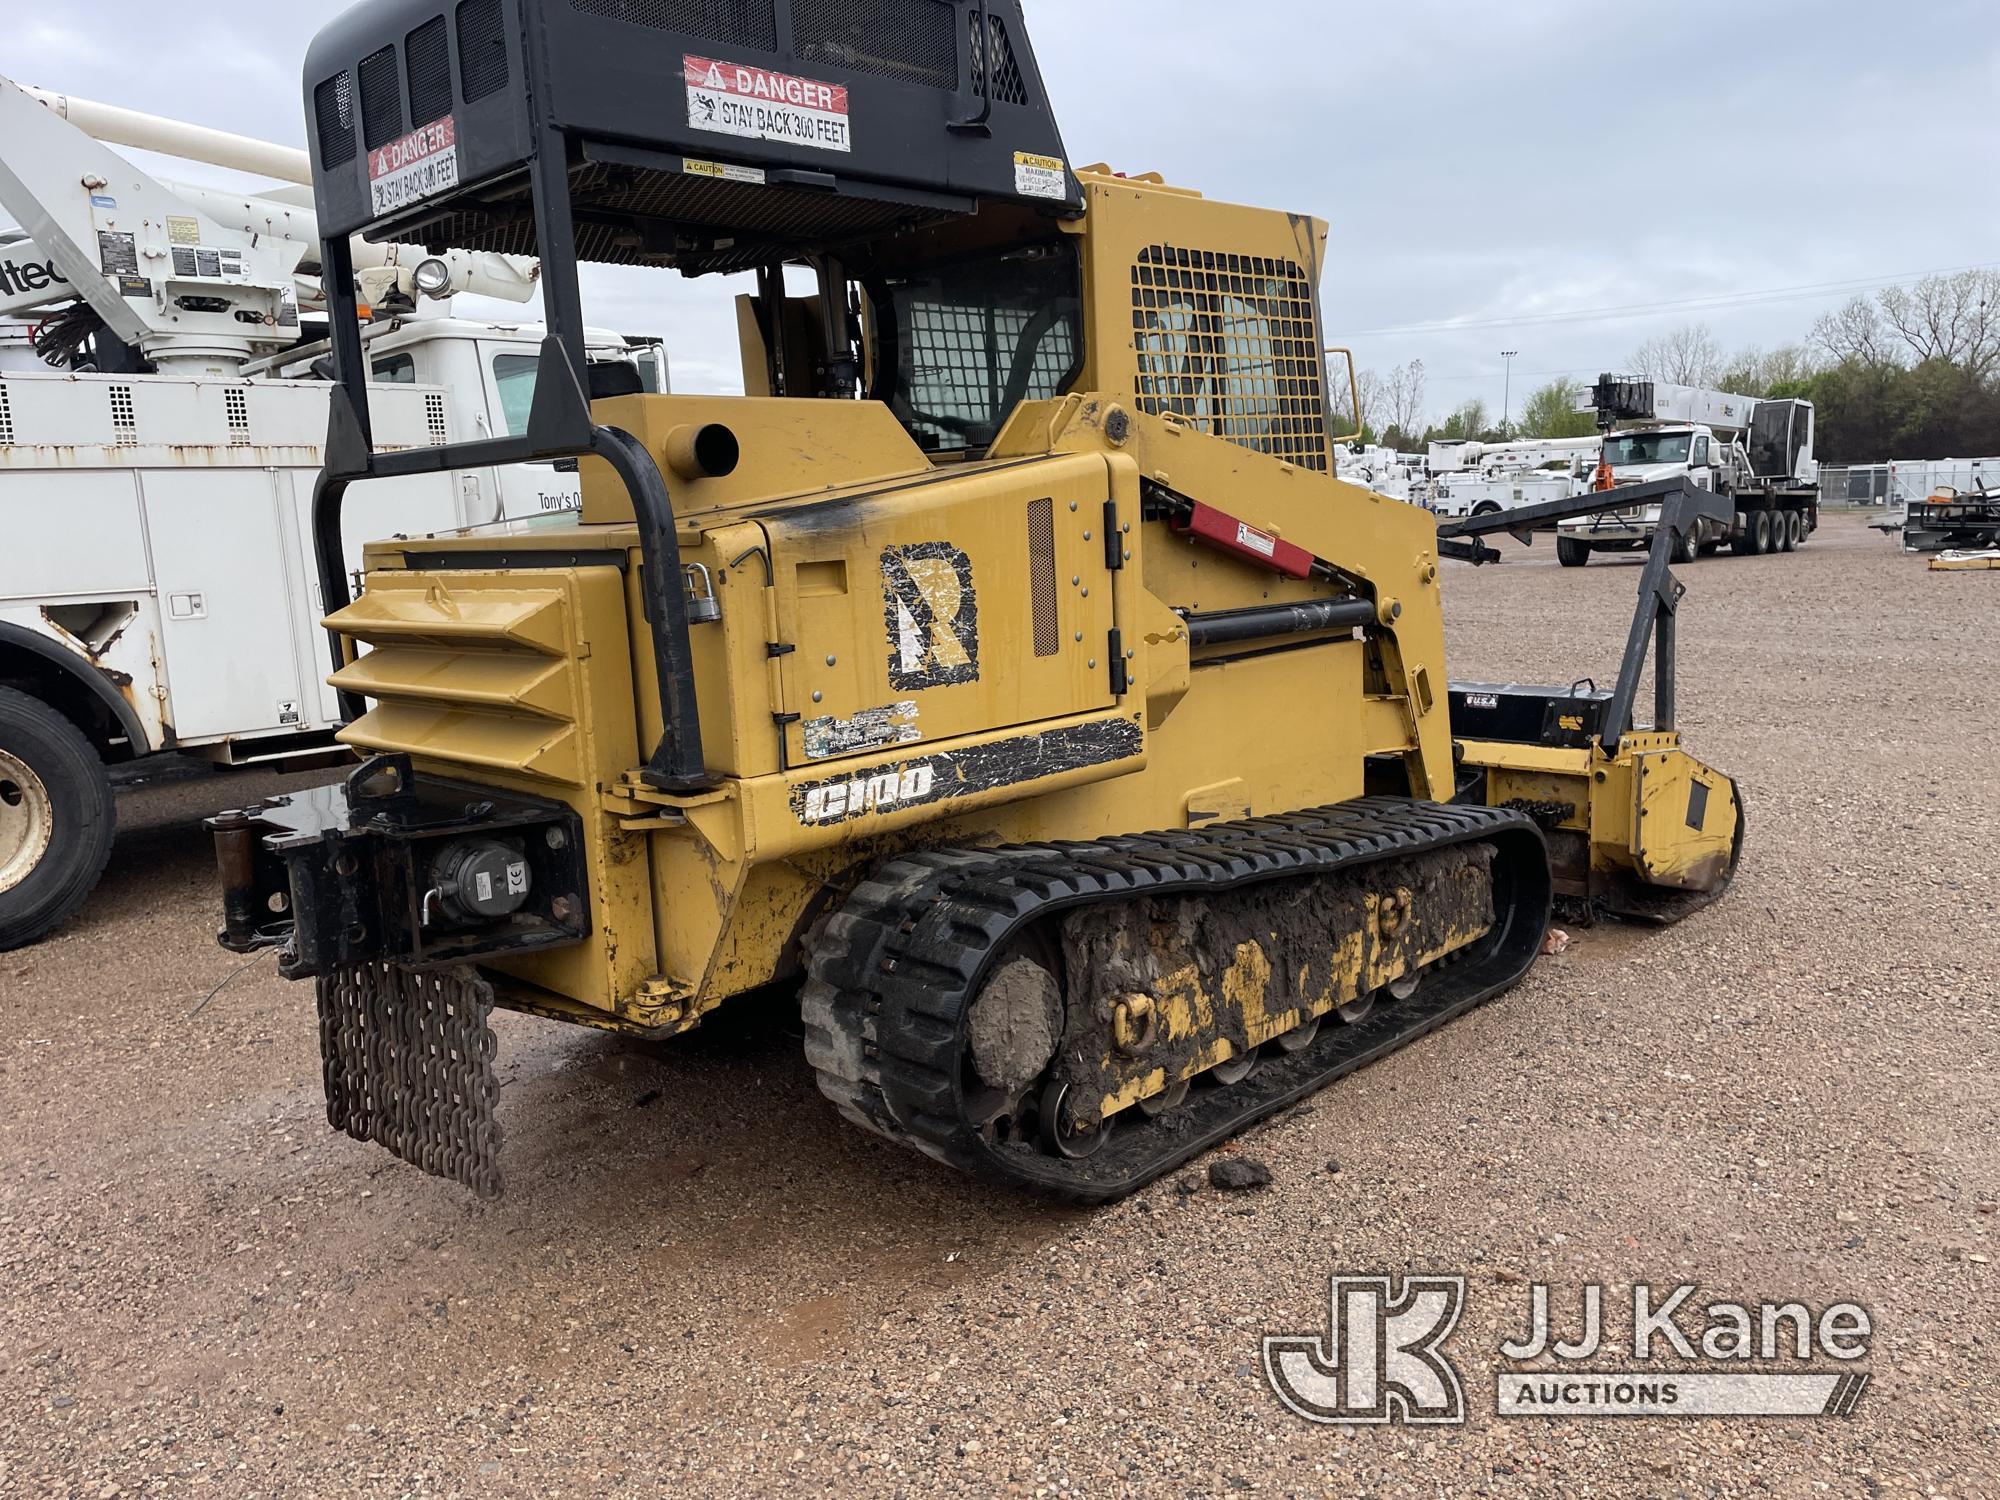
point(783, 719)
point(778, 648)
point(1114, 540)
point(1120, 678)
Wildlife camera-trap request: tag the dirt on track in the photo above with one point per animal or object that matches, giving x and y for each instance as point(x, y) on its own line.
point(702, 1282)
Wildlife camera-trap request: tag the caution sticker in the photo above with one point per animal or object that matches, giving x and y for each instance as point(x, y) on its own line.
point(414, 167)
point(722, 171)
point(728, 98)
point(1040, 176)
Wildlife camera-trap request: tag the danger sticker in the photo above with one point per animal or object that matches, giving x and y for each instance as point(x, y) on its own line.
point(1040, 176)
point(727, 98)
point(1255, 540)
point(419, 165)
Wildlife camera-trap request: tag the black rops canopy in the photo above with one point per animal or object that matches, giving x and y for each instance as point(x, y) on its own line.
point(701, 134)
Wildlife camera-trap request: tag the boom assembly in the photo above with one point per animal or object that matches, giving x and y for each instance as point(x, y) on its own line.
point(1009, 666)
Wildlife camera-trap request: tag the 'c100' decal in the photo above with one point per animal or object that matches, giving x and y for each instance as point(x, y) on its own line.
point(955, 774)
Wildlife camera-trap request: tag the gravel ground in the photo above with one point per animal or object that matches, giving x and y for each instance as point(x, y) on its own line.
point(702, 1282)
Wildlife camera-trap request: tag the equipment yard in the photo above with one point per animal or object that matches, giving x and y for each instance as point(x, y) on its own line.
point(701, 1278)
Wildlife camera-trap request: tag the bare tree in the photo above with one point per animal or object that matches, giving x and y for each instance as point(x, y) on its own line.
point(1688, 355)
point(1954, 318)
point(1856, 332)
point(1372, 390)
point(1404, 393)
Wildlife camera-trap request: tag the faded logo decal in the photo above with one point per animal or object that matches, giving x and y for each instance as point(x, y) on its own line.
point(932, 616)
point(965, 773)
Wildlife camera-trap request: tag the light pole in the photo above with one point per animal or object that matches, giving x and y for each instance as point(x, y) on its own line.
point(1507, 401)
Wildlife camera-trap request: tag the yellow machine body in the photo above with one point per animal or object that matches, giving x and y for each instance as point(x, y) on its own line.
point(913, 653)
point(528, 677)
point(1053, 726)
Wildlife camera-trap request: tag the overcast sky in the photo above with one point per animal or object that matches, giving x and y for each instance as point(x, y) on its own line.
point(1522, 167)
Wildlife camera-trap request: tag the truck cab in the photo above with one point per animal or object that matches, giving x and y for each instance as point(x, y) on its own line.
point(1640, 457)
point(490, 368)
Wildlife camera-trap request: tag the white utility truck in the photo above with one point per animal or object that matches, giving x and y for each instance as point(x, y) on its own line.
point(161, 430)
point(1400, 476)
point(1472, 478)
point(1760, 453)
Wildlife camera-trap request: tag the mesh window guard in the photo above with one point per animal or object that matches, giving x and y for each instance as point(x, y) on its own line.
point(1229, 344)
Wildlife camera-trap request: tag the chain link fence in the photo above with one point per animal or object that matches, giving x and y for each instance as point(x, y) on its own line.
point(1897, 484)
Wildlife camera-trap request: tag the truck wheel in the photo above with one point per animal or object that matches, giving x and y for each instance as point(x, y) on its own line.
point(1572, 554)
point(1788, 530)
point(1743, 540)
point(1760, 532)
point(1686, 548)
point(56, 819)
point(1795, 526)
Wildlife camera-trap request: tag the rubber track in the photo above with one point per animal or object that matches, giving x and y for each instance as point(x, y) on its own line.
point(892, 972)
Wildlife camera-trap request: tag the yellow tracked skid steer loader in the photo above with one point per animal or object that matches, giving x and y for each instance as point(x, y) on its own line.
point(1009, 668)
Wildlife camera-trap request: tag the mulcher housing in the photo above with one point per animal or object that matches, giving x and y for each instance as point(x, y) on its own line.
point(1008, 664)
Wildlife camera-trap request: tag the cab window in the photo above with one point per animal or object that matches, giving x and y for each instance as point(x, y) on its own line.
point(396, 369)
point(1700, 451)
point(514, 379)
point(960, 345)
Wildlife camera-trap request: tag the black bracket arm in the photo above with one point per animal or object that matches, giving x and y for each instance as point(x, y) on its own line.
point(1682, 504)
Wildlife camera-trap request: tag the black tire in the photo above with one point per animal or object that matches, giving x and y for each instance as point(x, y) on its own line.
point(1795, 530)
point(1686, 547)
point(1572, 554)
point(56, 819)
point(1760, 533)
point(1743, 540)
point(1486, 508)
